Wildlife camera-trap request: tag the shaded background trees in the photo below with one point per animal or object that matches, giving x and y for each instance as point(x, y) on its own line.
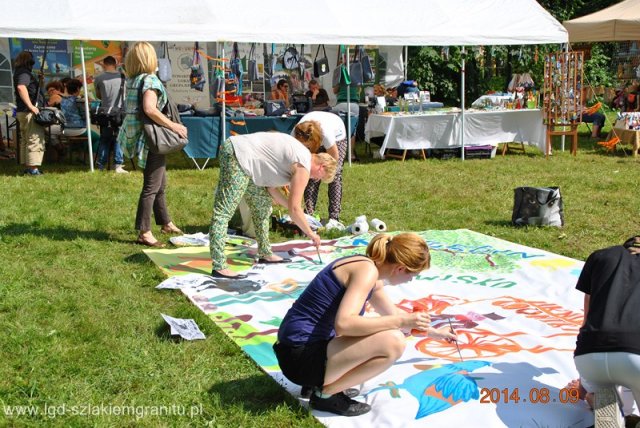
point(490, 68)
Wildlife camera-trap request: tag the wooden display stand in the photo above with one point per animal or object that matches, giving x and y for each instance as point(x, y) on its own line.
point(562, 105)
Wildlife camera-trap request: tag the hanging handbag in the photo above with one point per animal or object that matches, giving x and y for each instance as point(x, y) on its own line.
point(196, 77)
point(218, 86)
point(266, 61)
point(290, 58)
point(159, 139)
point(537, 206)
point(252, 64)
point(164, 64)
point(340, 73)
point(301, 63)
point(236, 68)
point(320, 66)
point(367, 69)
point(355, 69)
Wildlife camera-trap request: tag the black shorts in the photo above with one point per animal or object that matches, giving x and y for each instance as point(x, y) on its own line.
point(305, 364)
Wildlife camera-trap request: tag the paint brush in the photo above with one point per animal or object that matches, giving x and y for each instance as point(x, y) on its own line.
point(319, 258)
point(456, 342)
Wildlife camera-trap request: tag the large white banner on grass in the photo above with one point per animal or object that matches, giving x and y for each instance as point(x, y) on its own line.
point(514, 308)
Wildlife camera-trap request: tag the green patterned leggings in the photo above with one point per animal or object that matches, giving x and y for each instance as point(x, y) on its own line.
point(232, 186)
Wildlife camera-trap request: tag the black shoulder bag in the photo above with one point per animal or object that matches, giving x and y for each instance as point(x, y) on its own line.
point(320, 66)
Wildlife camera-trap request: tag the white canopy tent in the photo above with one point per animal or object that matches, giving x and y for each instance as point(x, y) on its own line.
point(620, 22)
point(419, 23)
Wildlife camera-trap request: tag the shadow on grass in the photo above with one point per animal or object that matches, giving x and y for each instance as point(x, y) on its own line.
point(501, 223)
point(60, 233)
point(138, 258)
point(163, 332)
point(256, 394)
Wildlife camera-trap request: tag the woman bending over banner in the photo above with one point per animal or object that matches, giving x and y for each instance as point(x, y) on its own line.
point(256, 165)
point(325, 342)
point(334, 142)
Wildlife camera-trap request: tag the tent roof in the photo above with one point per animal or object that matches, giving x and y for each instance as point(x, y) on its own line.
point(619, 22)
point(378, 22)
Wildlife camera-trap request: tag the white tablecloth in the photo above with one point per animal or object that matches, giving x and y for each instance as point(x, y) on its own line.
point(442, 130)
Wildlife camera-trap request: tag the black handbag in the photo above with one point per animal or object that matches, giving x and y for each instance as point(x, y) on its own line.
point(537, 206)
point(320, 66)
point(159, 139)
point(301, 103)
point(49, 116)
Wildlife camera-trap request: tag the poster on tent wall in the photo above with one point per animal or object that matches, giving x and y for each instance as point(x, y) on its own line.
point(6, 76)
point(179, 87)
point(95, 51)
point(57, 64)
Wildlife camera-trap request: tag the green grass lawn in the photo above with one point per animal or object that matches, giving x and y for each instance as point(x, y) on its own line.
point(81, 318)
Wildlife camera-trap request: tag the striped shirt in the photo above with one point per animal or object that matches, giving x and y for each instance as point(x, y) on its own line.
point(131, 136)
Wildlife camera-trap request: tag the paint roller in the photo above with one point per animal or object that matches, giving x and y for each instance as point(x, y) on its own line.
point(359, 227)
point(378, 225)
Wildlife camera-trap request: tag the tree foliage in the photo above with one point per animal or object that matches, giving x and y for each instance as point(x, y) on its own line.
point(490, 68)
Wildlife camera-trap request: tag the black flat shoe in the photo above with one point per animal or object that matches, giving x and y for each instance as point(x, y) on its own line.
point(216, 274)
point(272, 262)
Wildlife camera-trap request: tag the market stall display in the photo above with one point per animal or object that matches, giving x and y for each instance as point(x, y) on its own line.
point(441, 129)
point(562, 105)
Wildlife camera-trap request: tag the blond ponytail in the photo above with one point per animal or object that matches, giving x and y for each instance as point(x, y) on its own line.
point(407, 249)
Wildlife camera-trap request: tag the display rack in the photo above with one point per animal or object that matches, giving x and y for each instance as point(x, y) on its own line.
point(562, 104)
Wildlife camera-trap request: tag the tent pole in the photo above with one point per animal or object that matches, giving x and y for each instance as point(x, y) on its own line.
point(223, 114)
point(462, 73)
point(86, 106)
point(562, 138)
point(348, 112)
point(406, 60)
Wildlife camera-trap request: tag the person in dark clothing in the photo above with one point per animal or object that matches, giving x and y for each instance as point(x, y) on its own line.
point(318, 95)
point(324, 342)
point(608, 346)
point(32, 140)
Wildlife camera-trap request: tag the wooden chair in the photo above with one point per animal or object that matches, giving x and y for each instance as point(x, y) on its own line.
point(72, 138)
point(404, 154)
point(507, 147)
point(570, 129)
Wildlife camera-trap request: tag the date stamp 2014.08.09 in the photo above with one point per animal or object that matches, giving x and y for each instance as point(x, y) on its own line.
point(533, 395)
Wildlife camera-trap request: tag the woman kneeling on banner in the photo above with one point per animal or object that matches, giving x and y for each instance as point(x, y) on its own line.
point(256, 165)
point(324, 342)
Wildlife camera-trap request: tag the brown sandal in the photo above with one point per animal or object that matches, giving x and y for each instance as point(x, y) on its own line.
point(171, 231)
point(156, 244)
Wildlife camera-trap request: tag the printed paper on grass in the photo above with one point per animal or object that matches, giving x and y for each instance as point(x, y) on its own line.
point(514, 308)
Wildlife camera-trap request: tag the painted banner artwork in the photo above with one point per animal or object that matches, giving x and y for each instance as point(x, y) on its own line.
point(514, 308)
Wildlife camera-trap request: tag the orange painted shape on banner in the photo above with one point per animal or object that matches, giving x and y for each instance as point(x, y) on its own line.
point(478, 343)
